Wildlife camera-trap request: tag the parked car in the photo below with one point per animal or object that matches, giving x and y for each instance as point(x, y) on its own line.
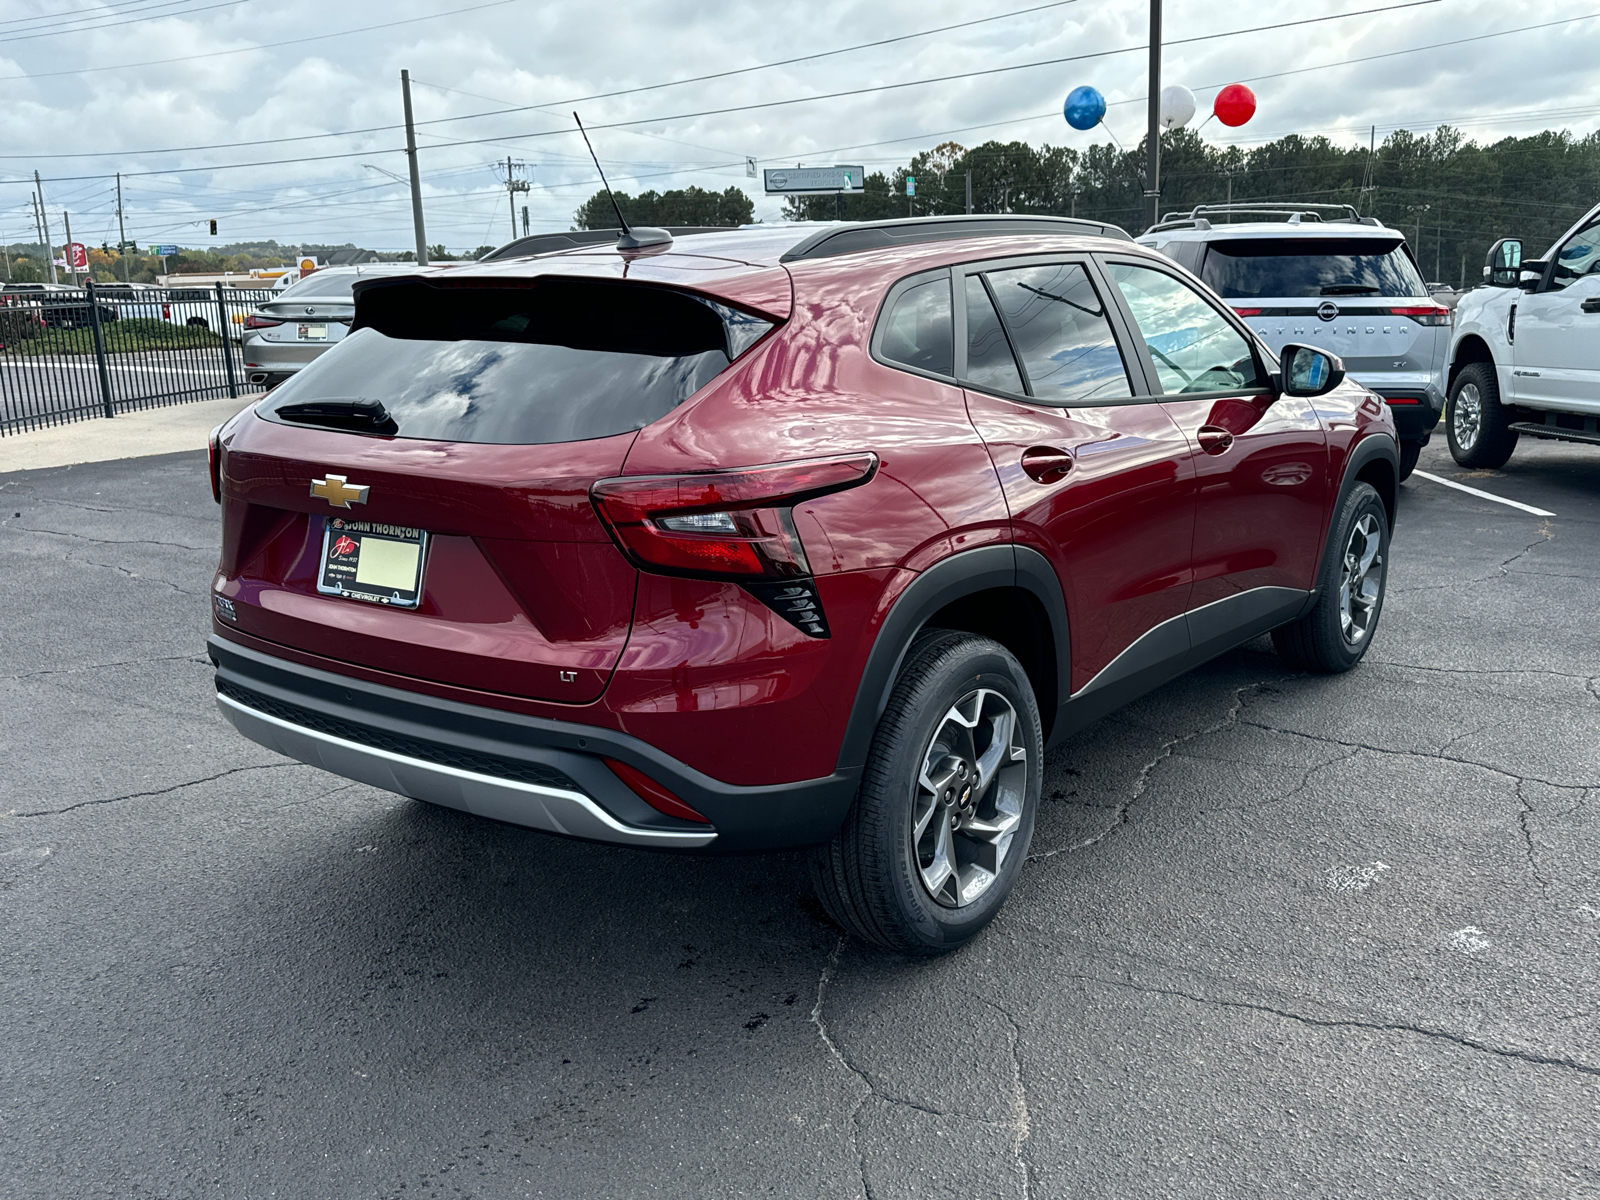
point(304, 320)
point(58, 305)
point(1525, 358)
point(793, 536)
point(1326, 275)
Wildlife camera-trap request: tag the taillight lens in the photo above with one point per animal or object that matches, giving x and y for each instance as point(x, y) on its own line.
point(653, 794)
point(1424, 314)
point(1248, 312)
point(214, 462)
point(722, 524)
point(257, 322)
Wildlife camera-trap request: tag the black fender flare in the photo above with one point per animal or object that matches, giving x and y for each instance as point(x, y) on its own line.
point(1373, 446)
point(947, 581)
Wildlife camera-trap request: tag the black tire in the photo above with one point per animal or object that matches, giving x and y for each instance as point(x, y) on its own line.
point(871, 876)
point(1321, 642)
point(1477, 425)
point(194, 322)
point(1409, 453)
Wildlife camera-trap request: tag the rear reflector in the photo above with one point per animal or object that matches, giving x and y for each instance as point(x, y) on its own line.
point(653, 794)
point(1401, 400)
point(1248, 312)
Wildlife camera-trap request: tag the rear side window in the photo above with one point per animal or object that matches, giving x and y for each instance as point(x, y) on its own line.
point(322, 286)
point(917, 330)
point(1060, 331)
point(563, 360)
point(1254, 268)
point(989, 360)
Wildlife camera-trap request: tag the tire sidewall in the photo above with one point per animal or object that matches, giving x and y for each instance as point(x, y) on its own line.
point(1363, 498)
point(1495, 441)
point(987, 665)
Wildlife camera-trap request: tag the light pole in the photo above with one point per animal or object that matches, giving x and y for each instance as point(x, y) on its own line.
point(1152, 181)
point(1419, 209)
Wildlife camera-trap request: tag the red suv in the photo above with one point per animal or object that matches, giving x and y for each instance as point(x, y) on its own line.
point(792, 536)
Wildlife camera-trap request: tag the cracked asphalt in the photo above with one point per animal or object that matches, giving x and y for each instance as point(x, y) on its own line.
point(1279, 935)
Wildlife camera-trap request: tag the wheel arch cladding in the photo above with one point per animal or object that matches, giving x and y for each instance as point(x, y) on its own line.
point(1008, 593)
point(1374, 460)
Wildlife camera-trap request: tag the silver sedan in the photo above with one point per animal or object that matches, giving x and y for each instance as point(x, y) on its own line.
point(304, 320)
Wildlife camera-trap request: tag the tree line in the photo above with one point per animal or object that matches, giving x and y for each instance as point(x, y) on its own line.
point(1452, 197)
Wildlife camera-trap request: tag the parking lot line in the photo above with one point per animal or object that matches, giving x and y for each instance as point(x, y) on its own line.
point(1472, 491)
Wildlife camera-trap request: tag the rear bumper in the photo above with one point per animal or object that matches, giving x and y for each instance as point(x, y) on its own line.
point(1413, 412)
point(538, 773)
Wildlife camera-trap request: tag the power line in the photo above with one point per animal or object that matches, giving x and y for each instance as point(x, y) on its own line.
point(319, 37)
point(49, 31)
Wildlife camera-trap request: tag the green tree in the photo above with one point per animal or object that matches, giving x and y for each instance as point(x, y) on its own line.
point(685, 206)
point(25, 270)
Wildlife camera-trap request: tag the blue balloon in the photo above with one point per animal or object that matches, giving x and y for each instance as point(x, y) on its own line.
point(1084, 108)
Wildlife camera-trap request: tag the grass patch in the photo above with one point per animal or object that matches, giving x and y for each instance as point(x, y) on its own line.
point(121, 337)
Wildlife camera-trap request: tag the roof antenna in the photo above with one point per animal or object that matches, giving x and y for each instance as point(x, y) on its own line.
point(631, 239)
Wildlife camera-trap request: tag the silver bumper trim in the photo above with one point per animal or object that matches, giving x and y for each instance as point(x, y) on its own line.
point(554, 810)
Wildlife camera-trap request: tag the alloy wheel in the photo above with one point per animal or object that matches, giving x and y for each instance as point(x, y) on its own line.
point(1361, 583)
point(969, 794)
point(1466, 416)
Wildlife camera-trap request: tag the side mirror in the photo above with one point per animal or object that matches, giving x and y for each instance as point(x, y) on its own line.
point(1503, 263)
point(1531, 274)
point(1308, 371)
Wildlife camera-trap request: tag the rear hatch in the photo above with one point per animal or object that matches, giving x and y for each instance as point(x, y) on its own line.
point(455, 433)
point(1360, 297)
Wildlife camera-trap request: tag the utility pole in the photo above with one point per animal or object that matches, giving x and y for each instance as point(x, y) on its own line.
point(411, 160)
point(66, 251)
point(1152, 184)
point(969, 191)
point(1366, 178)
point(513, 186)
point(44, 228)
point(524, 220)
point(122, 235)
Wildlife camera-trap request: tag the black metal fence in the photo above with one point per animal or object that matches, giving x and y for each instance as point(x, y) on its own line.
point(68, 354)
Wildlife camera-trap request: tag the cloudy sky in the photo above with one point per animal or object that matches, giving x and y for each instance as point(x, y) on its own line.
point(217, 108)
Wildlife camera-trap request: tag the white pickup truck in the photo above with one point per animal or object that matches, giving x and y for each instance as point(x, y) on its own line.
point(1525, 352)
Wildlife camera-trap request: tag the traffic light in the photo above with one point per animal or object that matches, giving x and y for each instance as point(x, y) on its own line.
point(213, 227)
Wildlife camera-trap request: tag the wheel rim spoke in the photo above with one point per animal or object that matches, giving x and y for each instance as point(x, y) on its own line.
point(1361, 583)
point(967, 805)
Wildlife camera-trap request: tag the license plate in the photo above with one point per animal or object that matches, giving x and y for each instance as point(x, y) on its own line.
point(313, 333)
point(375, 563)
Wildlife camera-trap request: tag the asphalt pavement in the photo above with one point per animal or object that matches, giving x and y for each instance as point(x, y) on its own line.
point(1279, 935)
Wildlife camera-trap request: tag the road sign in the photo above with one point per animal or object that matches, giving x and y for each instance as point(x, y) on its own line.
point(750, 167)
point(127, 247)
point(800, 180)
point(77, 255)
point(163, 251)
point(911, 185)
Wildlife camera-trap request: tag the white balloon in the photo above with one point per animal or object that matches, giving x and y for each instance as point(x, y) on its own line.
point(1177, 107)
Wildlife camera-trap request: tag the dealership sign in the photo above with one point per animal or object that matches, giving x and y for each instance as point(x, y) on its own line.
point(800, 180)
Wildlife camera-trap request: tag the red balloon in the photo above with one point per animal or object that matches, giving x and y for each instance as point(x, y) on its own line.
point(1235, 104)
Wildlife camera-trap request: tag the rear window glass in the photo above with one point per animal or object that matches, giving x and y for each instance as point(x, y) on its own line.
point(563, 360)
point(1256, 268)
point(329, 286)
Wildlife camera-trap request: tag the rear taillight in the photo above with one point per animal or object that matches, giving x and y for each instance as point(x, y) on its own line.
point(214, 462)
point(722, 524)
point(652, 793)
point(257, 322)
point(1424, 314)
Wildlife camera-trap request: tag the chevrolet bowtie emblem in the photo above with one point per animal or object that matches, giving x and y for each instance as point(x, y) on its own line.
point(339, 491)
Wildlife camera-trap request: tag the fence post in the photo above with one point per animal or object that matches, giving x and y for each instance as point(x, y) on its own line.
point(99, 348)
point(227, 343)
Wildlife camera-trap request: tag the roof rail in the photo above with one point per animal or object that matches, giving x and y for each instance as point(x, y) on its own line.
point(1295, 214)
point(547, 243)
point(852, 237)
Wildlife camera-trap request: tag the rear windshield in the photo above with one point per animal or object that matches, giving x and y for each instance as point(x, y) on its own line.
point(1280, 267)
point(322, 286)
point(563, 360)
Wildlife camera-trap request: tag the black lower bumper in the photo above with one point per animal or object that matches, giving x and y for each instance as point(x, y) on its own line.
point(1414, 417)
point(543, 774)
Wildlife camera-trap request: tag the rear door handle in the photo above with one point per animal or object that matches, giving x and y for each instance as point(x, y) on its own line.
point(1592, 304)
point(1214, 440)
point(1046, 464)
